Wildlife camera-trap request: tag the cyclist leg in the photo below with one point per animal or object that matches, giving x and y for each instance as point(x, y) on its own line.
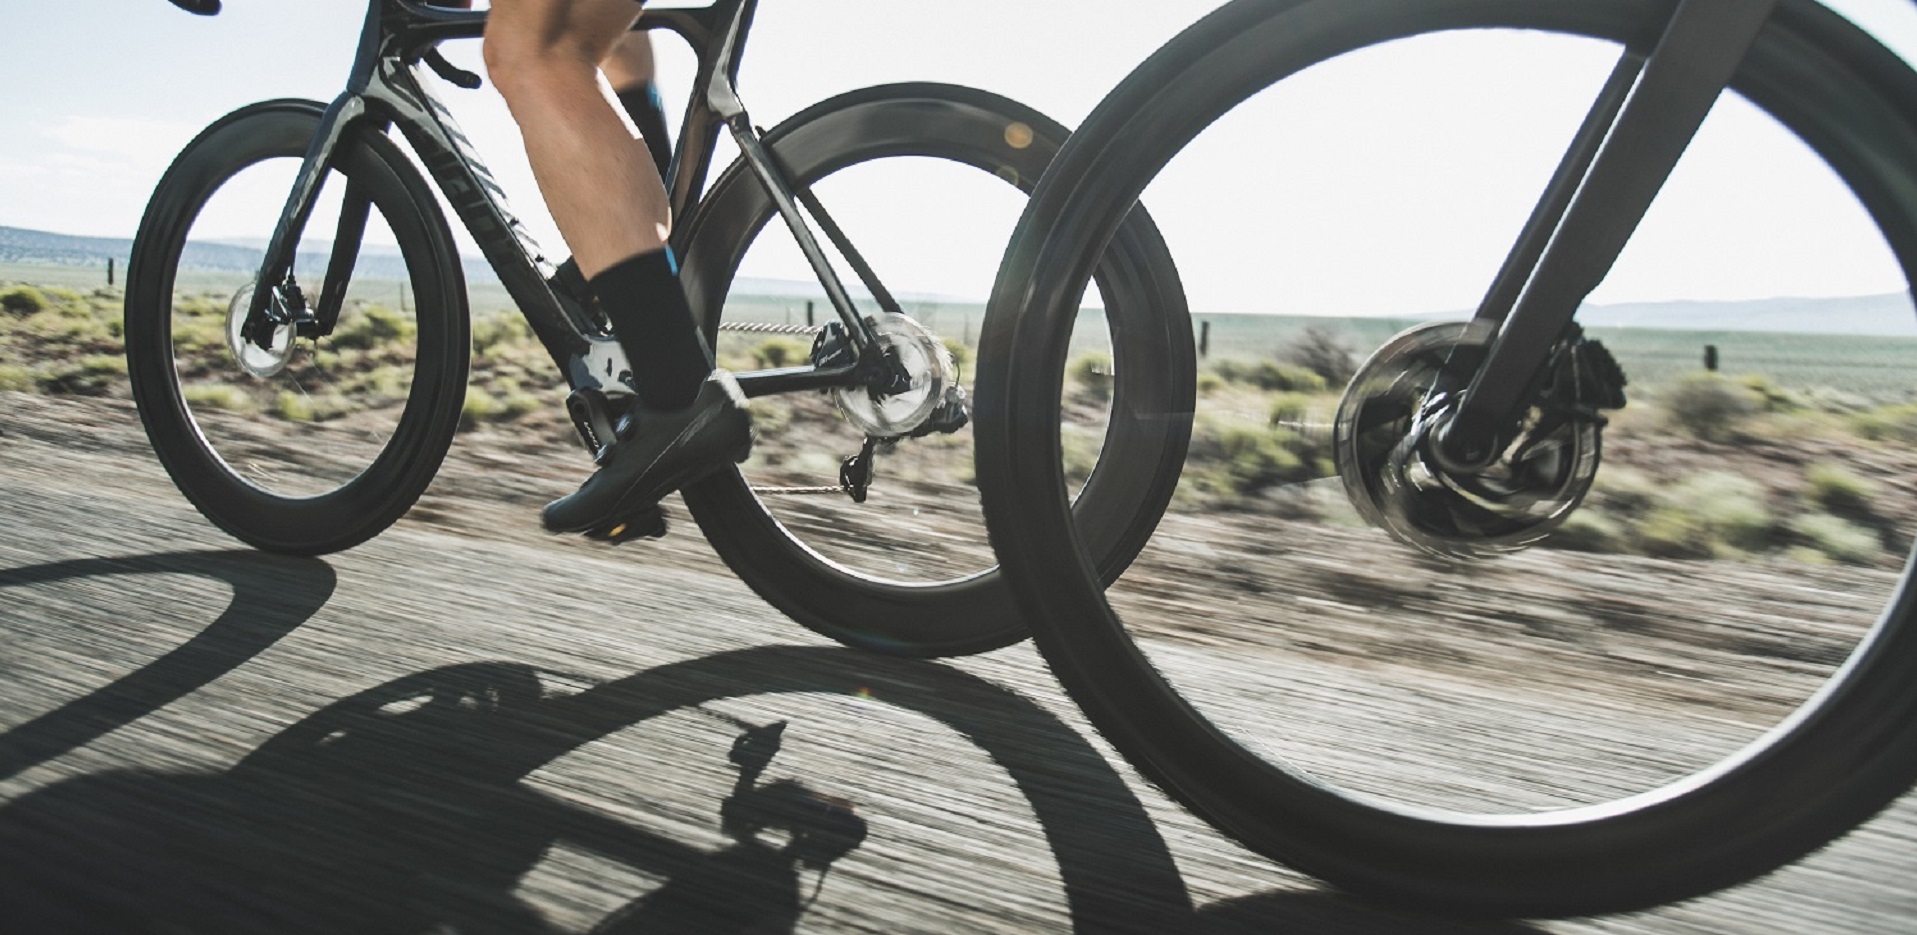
point(606, 197)
point(544, 57)
point(630, 71)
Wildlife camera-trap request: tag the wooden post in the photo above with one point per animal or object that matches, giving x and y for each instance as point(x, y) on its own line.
point(109, 271)
point(808, 314)
point(1204, 338)
point(1710, 357)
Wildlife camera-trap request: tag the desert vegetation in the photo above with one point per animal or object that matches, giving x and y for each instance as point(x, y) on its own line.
point(1744, 466)
point(1698, 465)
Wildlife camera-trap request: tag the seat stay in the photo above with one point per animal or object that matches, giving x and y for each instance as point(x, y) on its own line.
point(722, 97)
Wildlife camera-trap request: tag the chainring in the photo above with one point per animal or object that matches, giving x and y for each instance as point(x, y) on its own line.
point(1379, 443)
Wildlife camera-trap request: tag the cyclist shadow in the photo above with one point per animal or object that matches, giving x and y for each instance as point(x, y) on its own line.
point(402, 809)
point(272, 596)
point(395, 810)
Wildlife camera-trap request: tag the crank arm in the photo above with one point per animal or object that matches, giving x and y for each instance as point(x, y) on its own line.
point(796, 379)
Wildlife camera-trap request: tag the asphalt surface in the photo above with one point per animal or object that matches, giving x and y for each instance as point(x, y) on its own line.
point(446, 730)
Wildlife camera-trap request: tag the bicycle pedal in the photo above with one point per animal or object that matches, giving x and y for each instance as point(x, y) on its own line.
point(647, 524)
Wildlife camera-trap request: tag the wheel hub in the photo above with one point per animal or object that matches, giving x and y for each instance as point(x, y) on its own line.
point(1384, 438)
point(928, 369)
point(259, 361)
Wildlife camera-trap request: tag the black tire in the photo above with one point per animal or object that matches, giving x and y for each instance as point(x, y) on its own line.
point(346, 460)
point(1152, 363)
point(1839, 758)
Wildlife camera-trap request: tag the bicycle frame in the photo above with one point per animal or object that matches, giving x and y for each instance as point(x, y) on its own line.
point(384, 90)
point(1642, 122)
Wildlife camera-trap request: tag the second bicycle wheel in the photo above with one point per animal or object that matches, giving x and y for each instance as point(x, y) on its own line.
point(1708, 670)
point(926, 181)
point(305, 445)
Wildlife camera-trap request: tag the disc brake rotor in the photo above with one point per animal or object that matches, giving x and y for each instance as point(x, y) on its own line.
point(1380, 445)
point(926, 362)
point(259, 361)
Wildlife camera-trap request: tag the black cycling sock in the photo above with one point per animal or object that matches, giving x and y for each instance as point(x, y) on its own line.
point(648, 113)
point(649, 313)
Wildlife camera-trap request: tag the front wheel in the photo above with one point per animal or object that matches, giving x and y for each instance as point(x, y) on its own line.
point(1707, 670)
point(926, 181)
point(305, 445)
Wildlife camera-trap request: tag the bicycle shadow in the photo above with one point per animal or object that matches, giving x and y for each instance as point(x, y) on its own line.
point(272, 596)
point(1118, 873)
point(402, 809)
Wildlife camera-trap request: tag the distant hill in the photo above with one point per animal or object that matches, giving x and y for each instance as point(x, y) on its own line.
point(1873, 315)
point(18, 245)
point(810, 289)
point(38, 247)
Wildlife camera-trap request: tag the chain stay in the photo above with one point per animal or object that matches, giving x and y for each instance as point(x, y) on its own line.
point(766, 327)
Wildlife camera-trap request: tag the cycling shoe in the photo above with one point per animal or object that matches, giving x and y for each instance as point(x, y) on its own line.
point(654, 454)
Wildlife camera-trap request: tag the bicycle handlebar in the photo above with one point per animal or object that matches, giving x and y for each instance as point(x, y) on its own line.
point(200, 7)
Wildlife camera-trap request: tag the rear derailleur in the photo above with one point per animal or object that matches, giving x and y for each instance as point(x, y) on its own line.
point(910, 390)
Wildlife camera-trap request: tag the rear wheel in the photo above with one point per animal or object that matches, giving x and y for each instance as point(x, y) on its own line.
point(306, 445)
point(1703, 666)
point(926, 181)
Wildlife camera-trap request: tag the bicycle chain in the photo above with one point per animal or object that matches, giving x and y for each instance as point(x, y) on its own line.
point(766, 327)
point(798, 491)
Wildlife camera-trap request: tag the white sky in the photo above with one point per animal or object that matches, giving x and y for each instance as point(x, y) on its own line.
point(1342, 192)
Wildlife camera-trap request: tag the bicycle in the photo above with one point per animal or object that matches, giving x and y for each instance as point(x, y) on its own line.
point(1461, 441)
point(307, 426)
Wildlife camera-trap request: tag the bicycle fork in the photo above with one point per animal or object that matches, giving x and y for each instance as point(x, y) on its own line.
point(277, 300)
point(1642, 122)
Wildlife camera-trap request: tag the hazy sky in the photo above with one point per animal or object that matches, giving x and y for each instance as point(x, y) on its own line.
point(1346, 190)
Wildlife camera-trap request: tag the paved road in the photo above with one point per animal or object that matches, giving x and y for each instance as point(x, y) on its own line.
point(445, 730)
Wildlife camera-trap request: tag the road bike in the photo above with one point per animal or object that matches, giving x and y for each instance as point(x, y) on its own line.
point(305, 420)
point(1473, 633)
